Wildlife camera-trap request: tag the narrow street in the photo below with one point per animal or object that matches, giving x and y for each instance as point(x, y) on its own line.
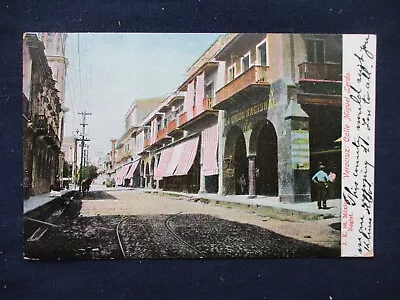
point(120, 223)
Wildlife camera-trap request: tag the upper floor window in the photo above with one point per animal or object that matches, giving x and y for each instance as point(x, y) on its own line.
point(245, 62)
point(231, 72)
point(178, 109)
point(315, 50)
point(262, 53)
point(209, 91)
point(159, 123)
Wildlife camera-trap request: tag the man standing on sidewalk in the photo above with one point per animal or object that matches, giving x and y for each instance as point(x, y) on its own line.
point(321, 180)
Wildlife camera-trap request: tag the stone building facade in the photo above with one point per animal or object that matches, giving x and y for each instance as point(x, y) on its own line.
point(42, 108)
point(282, 105)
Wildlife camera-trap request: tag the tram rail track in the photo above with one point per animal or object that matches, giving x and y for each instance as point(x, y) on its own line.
point(119, 236)
point(168, 226)
point(178, 238)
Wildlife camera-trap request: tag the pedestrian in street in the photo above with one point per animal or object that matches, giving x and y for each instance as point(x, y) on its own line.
point(331, 183)
point(321, 180)
point(242, 183)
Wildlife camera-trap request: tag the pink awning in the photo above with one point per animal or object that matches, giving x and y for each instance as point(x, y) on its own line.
point(187, 158)
point(120, 174)
point(132, 169)
point(200, 93)
point(163, 163)
point(209, 146)
point(176, 156)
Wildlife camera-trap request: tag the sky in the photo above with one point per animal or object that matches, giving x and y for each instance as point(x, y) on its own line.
point(106, 72)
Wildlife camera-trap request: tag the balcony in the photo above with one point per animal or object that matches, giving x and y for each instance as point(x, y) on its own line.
point(171, 126)
point(162, 135)
point(255, 76)
point(320, 78)
point(320, 71)
point(182, 119)
point(207, 103)
point(147, 142)
point(50, 136)
point(40, 123)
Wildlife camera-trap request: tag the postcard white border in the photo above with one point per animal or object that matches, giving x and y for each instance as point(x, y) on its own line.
point(358, 145)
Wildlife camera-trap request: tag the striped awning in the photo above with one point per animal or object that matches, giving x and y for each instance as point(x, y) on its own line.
point(209, 146)
point(188, 155)
point(165, 158)
point(176, 156)
point(121, 173)
point(132, 169)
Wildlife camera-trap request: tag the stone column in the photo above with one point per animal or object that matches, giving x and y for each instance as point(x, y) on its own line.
point(252, 176)
point(202, 188)
point(151, 180)
point(297, 164)
point(221, 149)
point(202, 181)
point(142, 183)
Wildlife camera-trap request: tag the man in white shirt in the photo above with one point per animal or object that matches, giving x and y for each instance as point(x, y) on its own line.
point(321, 180)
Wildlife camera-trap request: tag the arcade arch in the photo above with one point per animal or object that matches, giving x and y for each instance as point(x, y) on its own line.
point(235, 161)
point(263, 145)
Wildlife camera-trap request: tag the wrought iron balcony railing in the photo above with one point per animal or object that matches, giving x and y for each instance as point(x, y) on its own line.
point(320, 71)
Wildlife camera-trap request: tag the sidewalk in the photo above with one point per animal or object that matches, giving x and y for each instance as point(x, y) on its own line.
point(310, 208)
point(37, 201)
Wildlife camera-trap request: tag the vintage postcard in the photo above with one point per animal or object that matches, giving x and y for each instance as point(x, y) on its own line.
point(228, 145)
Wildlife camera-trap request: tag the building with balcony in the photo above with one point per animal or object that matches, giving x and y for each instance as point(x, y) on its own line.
point(125, 169)
point(266, 106)
point(282, 112)
point(42, 109)
point(182, 134)
point(54, 49)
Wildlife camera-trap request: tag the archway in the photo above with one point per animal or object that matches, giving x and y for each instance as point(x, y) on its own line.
point(263, 143)
point(235, 161)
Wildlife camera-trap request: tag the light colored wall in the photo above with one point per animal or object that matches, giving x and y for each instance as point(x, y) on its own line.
point(27, 70)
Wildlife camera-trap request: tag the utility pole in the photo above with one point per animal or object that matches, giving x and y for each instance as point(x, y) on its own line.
point(83, 140)
point(75, 163)
point(86, 156)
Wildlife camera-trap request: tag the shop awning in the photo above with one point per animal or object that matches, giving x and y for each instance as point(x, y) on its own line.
point(165, 158)
point(121, 173)
point(175, 158)
point(209, 146)
point(188, 154)
point(132, 169)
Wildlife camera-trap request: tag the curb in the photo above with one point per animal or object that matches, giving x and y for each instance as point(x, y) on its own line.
point(283, 214)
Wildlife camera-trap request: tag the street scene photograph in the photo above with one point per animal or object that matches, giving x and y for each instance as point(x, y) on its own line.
point(181, 145)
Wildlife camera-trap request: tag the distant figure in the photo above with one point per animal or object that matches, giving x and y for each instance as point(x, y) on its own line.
point(331, 183)
point(86, 185)
point(321, 180)
point(242, 184)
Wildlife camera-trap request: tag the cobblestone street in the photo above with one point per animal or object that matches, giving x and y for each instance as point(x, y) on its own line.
point(89, 230)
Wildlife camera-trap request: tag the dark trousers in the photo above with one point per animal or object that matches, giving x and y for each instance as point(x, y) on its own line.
point(321, 194)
